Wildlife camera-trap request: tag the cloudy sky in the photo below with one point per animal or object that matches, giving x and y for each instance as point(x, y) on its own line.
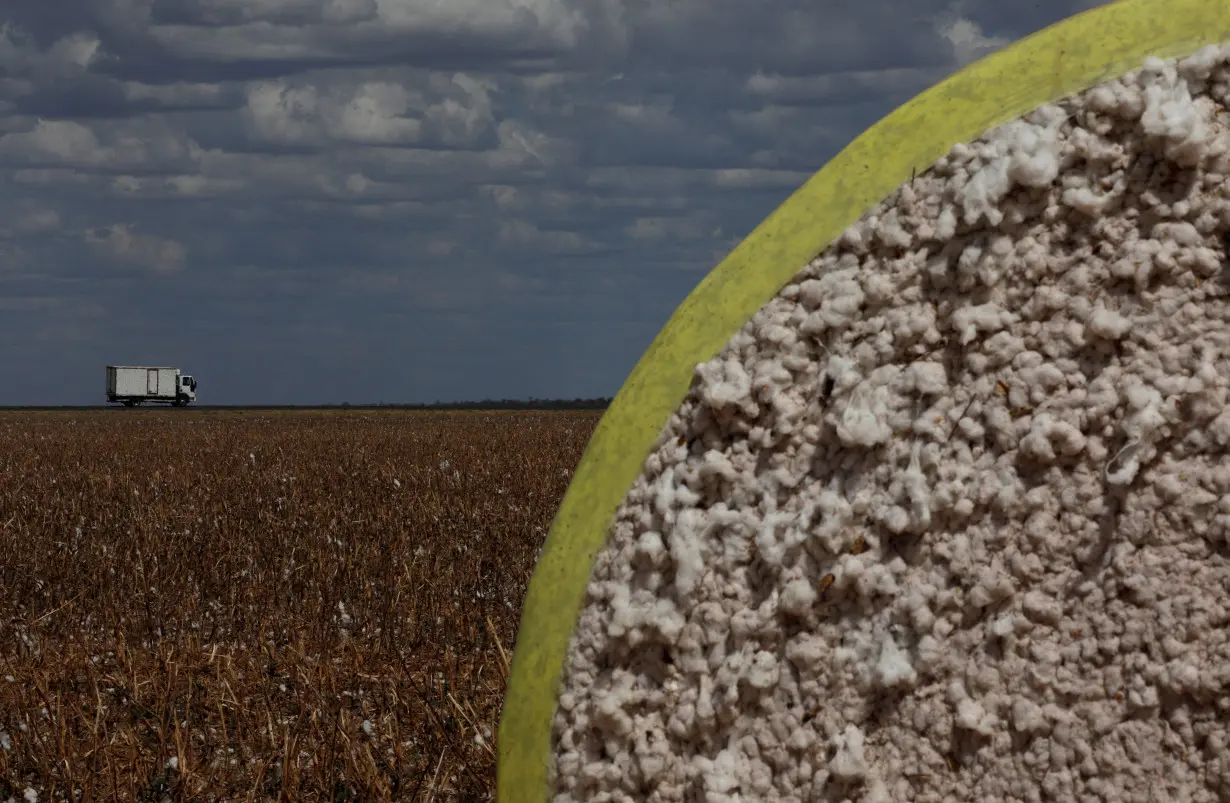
point(318, 201)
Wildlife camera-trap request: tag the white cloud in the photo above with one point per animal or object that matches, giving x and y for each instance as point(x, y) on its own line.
point(63, 141)
point(180, 93)
point(460, 121)
point(438, 247)
point(74, 53)
point(51, 177)
point(51, 321)
point(653, 229)
point(755, 178)
point(841, 86)
point(557, 22)
point(523, 233)
point(80, 49)
point(153, 253)
point(188, 185)
point(27, 219)
point(288, 12)
point(523, 146)
point(346, 12)
point(392, 210)
point(647, 116)
point(375, 114)
point(372, 112)
point(115, 146)
point(247, 31)
point(967, 40)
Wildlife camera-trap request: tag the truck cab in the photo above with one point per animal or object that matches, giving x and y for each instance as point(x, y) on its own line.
point(187, 390)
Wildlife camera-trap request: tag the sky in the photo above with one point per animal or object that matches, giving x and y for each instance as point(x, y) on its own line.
point(403, 201)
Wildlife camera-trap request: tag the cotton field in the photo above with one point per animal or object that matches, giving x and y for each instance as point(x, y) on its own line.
point(242, 605)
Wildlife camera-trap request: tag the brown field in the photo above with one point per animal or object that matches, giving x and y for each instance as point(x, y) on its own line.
point(202, 605)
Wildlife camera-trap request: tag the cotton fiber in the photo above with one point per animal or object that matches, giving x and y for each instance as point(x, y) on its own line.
point(949, 518)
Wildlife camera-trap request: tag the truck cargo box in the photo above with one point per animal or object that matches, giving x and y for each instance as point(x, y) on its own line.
point(134, 384)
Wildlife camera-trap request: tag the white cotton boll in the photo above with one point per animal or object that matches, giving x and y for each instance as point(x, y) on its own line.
point(1143, 699)
point(993, 586)
point(893, 667)
point(1003, 626)
point(1184, 676)
point(650, 546)
point(1085, 200)
point(1171, 115)
point(1042, 608)
point(1027, 716)
point(833, 514)
point(930, 651)
point(928, 378)
point(686, 551)
point(946, 225)
point(891, 233)
point(981, 194)
point(721, 775)
point(1140, 396)
point(1049, 437)
point(724, 383)
point(1124, 472)
point(1035, 156)
point(1101, 98)
point(666, 619)
point(1199, 66)
point(1032, 162)
point(623, 616)
point(1037, 444)
point(855, 237)
point(878, 792)
point(1140, 425)
point(1179, 233)
point(980, 319)
point(973, 717)
point(811, 294)
point(895, 518)
point(763, 672)
point(798, 597)
point(1219, 428)
point(879, 289)
point(849, 763)
point(844, 373)
point(843, 298)
point(863, 422)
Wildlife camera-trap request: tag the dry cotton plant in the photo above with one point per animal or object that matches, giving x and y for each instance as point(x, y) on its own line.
point(310, 606)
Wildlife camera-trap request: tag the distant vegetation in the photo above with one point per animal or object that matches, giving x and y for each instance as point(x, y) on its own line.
point(502, 404)
point(486, 404)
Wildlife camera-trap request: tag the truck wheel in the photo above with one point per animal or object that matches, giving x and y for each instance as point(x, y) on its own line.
point(129, 402)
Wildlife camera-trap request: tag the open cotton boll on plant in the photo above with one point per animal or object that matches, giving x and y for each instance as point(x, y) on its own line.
point(949, 518)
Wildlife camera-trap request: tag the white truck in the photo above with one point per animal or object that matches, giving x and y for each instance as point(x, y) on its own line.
point(131, 385)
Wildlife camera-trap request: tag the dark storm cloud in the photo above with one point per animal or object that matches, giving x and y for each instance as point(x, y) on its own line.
point(329, 200)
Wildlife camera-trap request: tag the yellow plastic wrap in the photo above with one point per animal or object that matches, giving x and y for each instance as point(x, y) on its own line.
point(1063, 59)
